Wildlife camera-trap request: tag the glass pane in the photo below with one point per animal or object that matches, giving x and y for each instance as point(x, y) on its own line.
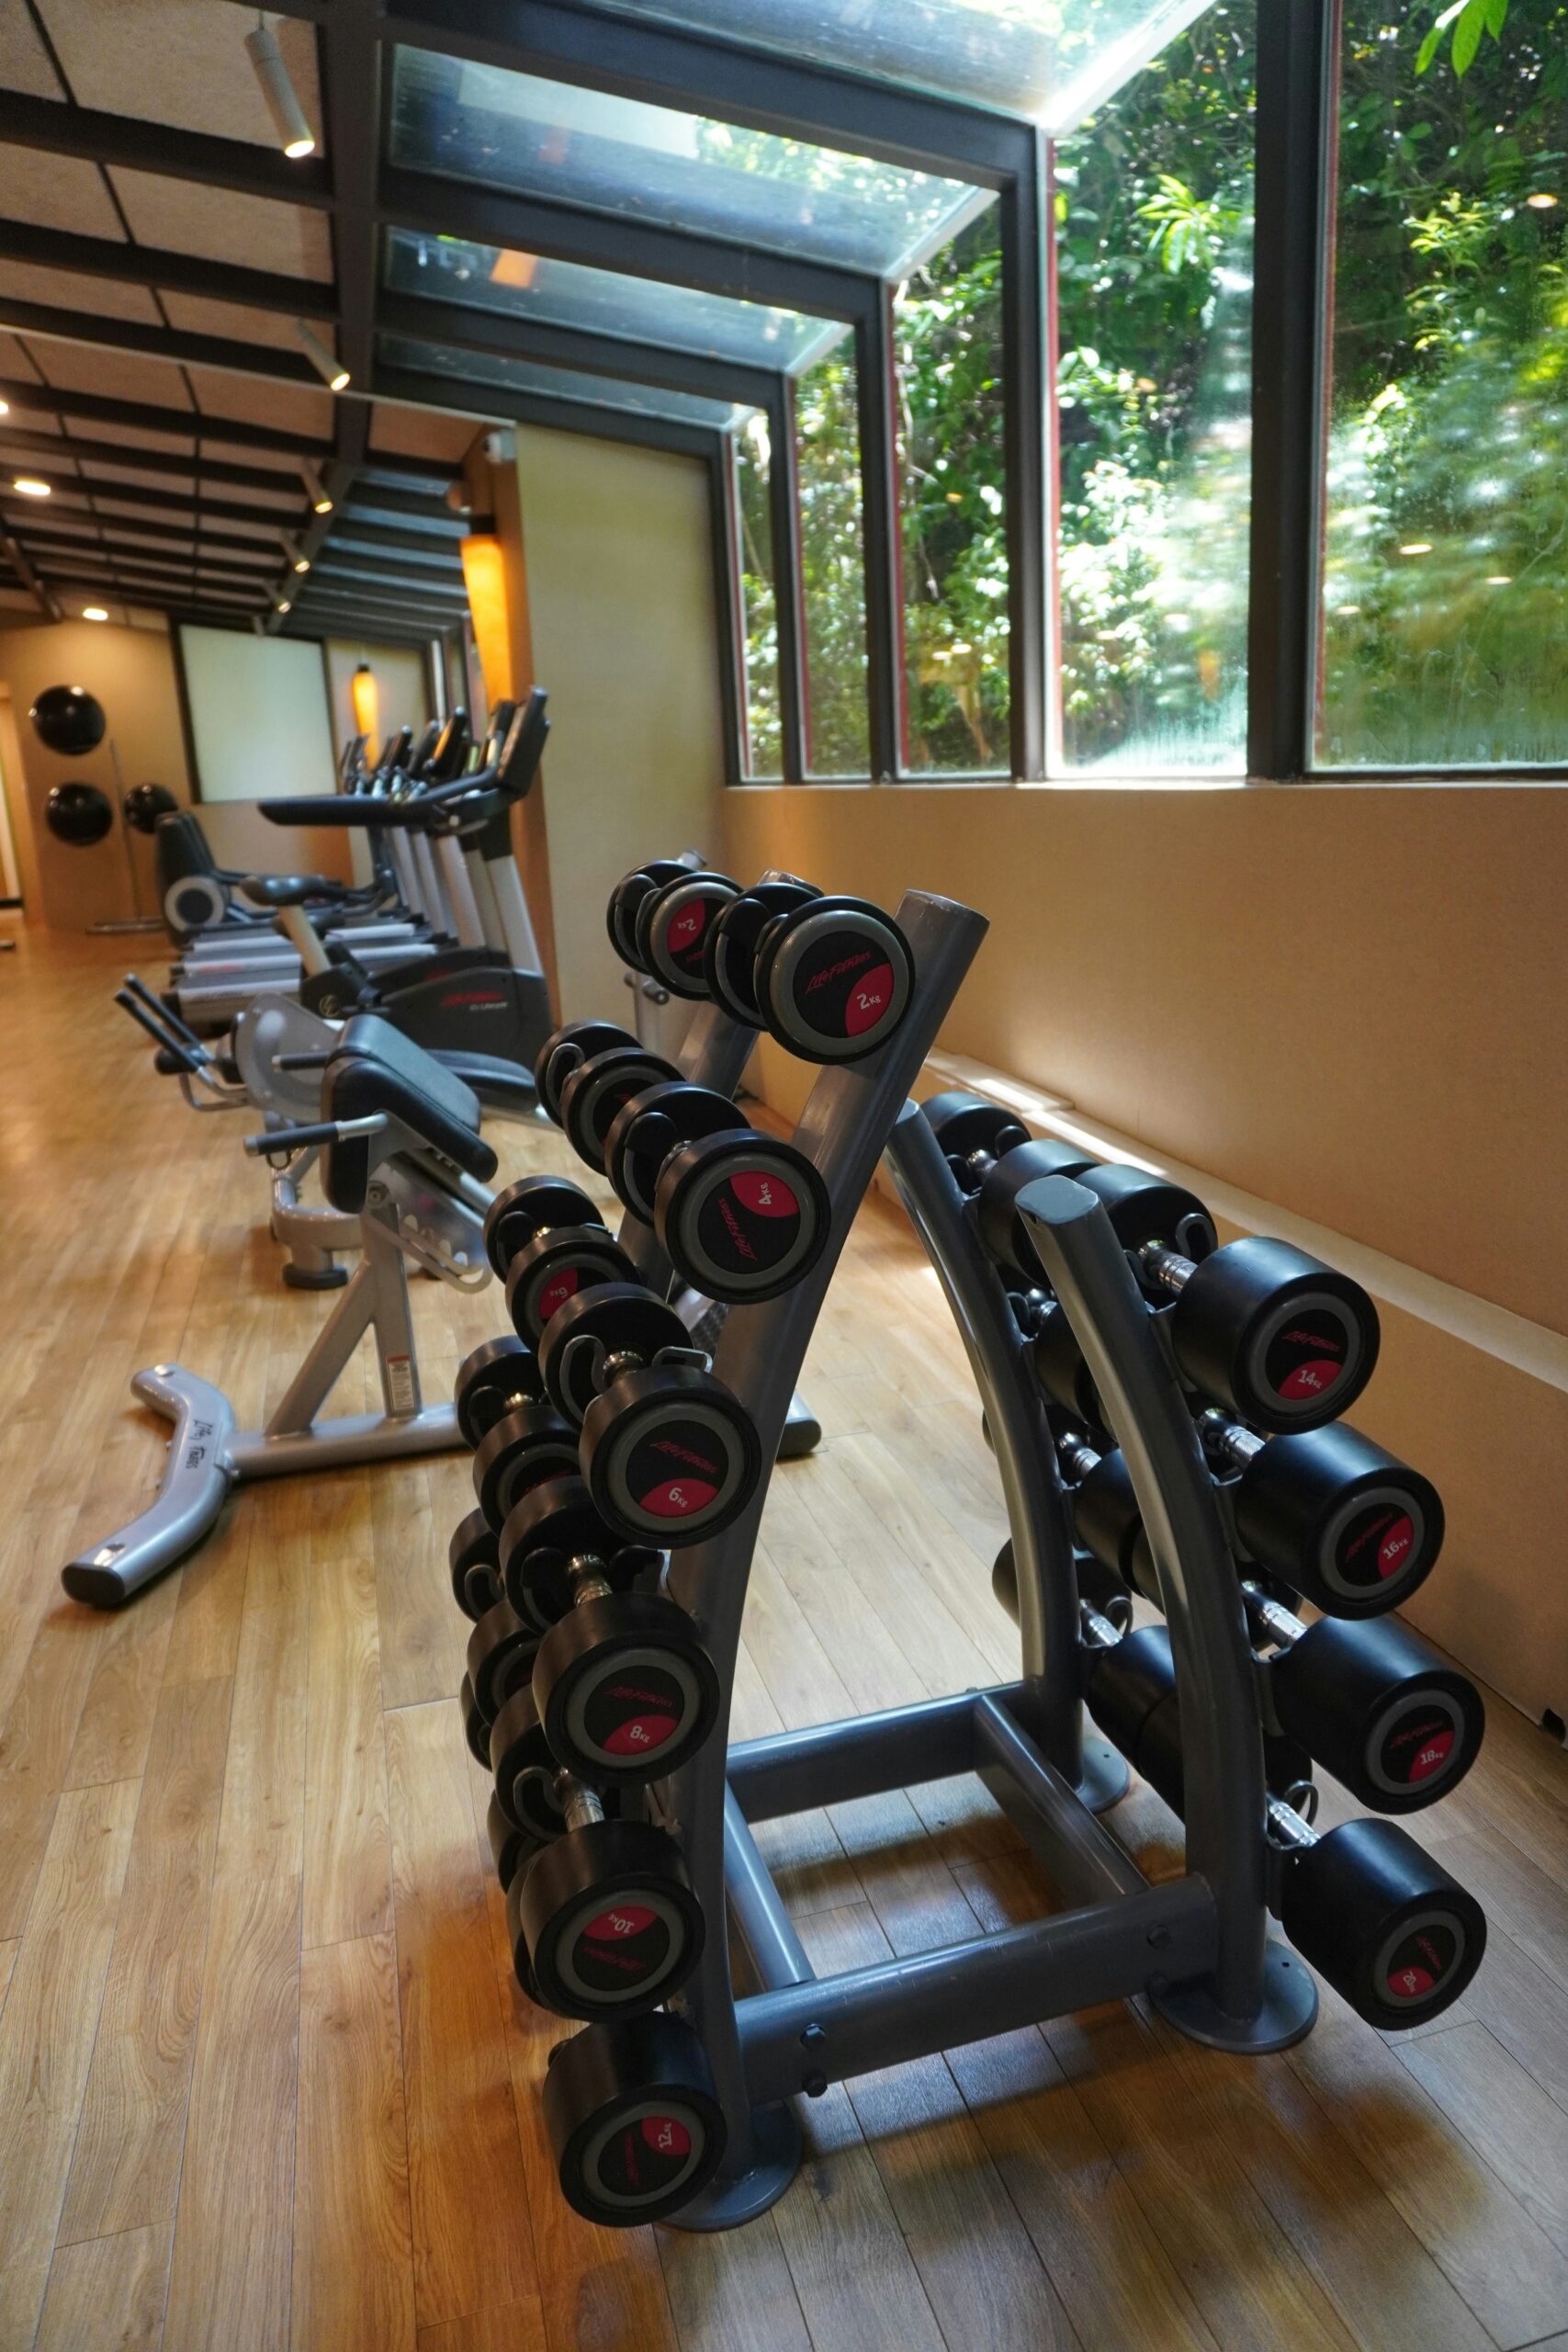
point(1154, 261)
point(832, 570)
point(1445, 548)
point(759, 624)
point(480, 368)
point(602, 301)
point(947, 325)
point(552, 138)
point(1041, 58)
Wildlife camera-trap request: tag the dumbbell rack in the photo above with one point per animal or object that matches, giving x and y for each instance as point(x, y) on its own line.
point(1198, 1946)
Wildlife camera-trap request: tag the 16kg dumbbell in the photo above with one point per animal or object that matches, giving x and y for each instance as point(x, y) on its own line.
point(741, 1215)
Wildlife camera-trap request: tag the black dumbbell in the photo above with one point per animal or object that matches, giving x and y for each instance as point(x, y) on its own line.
point(1328, 1513)
point(1387, 1926)
point(624, 1689)
point(565, 1049)
point(492, 1380)
point(729, 952)
point(634, 2120)
point(1281, 1338)
point(833, 977)
point(510, 1849)
point(499, 1661)
point(475, 1562)
point(475, 1730)
point(547, 1241)
point(1057, 1359)
point(670, 925)
point(628, 894)
point(741, 1215)
point(598, 1088)
point(526, 1448)
point(671, 1455)
point(992, 1157)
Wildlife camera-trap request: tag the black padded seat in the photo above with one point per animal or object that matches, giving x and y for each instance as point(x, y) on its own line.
point(500, 1085)
point(292, 889)
point(375, 1069)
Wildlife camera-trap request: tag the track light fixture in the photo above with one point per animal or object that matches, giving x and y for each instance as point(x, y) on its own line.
point(29, 486)
point(316, 490)
point(295, 134)
point(332, 372)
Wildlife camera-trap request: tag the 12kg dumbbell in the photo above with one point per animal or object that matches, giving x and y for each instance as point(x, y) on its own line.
point(634, 2120)
point(741, 1215)
point(1281, 1338)
point(623, 1686)
point(1387, 1926)
point(671, 1455)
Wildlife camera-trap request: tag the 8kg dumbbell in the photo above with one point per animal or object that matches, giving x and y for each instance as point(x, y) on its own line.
point(741, 1215)
point(623, 1687)
point(1369, 1909)
point(671, 1455)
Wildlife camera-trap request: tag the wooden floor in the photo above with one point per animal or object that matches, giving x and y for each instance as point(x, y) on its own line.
point(265, 2080)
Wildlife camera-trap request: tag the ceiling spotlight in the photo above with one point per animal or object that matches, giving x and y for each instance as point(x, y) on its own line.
point(29, 486)
point(93, 613)
point(4, 408)
point(1540, 201)
point(294, 132)
point(332, 372)
point(284, 605)
point(316, 490)
point(301, 563)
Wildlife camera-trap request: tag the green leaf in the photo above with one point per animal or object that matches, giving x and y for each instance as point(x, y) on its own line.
point(1496, 18)
point(1428, 48)
point(1467, 35)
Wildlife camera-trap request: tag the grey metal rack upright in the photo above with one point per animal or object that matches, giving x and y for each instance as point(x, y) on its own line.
point(1199, 1945)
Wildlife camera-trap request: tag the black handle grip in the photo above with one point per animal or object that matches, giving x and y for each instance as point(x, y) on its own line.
point(180, 1056)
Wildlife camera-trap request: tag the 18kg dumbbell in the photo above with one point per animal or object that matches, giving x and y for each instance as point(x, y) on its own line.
point(1387, 1926)
point(741, 1215)
point(671, 1455)
point(624, 1689)
point(1281, 1338)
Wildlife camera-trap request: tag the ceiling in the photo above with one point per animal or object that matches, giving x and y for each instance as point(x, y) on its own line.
point(635, 221)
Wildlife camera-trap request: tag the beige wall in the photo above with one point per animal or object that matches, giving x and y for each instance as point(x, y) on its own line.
point(131, 671)
point(621, 616)
point(1347, 1001)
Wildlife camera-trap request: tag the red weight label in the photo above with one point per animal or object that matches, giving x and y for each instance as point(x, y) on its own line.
point(1306, 1361)
point(1423, 1960)
point(748, 1224)
point(634, 1714)
point(676, 1469)
point(646, 2158)
point(677, 1497)
point(621, 1947)
point(557, 1291)
point(1376, 1545)
point(869, 1000)
point(842, 985)
point(684, 934)
point(1418, 1745)
point(762, 1194)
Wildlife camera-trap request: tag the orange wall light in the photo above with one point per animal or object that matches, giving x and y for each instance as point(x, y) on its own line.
point(367, 700)
point(484, 576)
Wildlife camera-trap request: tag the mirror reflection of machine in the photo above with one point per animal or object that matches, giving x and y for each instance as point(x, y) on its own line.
point(70, 722)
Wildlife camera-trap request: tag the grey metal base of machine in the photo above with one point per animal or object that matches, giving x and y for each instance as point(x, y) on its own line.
point(1288, 2015)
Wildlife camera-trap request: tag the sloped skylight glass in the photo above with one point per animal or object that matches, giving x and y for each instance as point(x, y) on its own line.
point(483, 371)
point(618, 156)
point(1051, 61)
point(604, 301)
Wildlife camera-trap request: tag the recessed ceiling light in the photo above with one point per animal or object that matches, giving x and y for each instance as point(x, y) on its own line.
point(295, 134)
point(332, 373)
point(316, 489)
point(29, 486)
point(93, 613)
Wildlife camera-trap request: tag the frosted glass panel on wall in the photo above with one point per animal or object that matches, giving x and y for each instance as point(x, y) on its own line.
point(258, 715)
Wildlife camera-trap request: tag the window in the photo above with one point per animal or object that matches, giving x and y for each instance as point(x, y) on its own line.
point(832, 569)
point(762, 753)
point(1445, 527)
point(947, 341)
point(1153, 212)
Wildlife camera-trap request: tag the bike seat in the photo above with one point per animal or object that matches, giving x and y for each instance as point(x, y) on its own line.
point(291, 889)
point(375, 1069)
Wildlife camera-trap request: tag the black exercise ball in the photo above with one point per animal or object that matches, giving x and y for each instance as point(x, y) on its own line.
point(78, 814)
point(69, 720)
point(145, 803)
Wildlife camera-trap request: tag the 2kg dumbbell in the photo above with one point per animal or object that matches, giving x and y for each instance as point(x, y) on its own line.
point(830, 979)
point(1281, 1338)
point(547, 1241)
point(634, 2120)
point(992, 1157)
point(740, 1216)
point(621, 1684)
point(670, 1454)
point(603, 1919)
point(1365, 1905)
point(1326, 1511)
